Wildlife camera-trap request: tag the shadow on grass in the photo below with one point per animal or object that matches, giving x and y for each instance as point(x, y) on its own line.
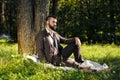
point(114, 64)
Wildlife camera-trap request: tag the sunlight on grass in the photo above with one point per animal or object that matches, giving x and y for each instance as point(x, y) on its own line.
point(6, 50)
point(94, 52)
point(3, 40)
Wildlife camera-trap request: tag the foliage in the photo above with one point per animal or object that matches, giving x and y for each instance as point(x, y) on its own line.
point(9, 23)
point(15, 67)
point(92, 20)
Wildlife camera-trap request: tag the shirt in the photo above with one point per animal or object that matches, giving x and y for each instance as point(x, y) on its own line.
point(50, 37)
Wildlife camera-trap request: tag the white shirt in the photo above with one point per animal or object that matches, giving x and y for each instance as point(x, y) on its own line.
point(50, 36)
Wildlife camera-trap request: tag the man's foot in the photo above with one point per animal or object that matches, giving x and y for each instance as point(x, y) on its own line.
point(80, 62)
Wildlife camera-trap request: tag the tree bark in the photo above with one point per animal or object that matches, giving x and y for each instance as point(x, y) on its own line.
point(112, 21)
point(3, 11)
point(54, 6)
point(31, 14)
point(2, 24)
point(41, 10)
point(0, 17)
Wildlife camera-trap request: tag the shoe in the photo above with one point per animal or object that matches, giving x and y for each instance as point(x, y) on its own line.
point(80, 62)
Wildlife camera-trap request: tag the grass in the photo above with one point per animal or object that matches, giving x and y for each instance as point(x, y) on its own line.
point(19, 68)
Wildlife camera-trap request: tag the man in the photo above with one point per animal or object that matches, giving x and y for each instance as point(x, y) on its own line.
point(49, 49)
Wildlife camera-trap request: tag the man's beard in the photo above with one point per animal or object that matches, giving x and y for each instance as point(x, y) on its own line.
point(51, 27)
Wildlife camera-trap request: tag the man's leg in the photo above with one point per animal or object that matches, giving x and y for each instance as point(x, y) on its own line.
point(69, 49)
point(78, 55)
point(74, 64)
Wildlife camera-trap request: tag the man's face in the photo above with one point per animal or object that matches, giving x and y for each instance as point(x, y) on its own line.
point(52, 23)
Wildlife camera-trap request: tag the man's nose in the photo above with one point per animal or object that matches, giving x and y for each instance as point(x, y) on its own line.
point(55, 24)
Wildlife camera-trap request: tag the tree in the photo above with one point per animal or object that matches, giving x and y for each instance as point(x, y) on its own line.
point(31, 15)
point(54, 6)
point(112, 21)
point(2, 16)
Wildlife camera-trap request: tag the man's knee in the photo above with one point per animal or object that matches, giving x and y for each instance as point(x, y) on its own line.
point(77, 42)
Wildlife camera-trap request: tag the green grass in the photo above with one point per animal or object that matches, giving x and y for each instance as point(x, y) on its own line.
point(19, 68)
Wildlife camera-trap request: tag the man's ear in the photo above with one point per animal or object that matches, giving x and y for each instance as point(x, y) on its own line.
point(47, 22)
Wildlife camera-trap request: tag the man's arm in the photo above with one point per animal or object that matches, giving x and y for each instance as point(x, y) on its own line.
point(66, 40)
point(75, 40)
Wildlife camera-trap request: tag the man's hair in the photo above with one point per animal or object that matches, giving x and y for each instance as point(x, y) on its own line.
point(50, 16)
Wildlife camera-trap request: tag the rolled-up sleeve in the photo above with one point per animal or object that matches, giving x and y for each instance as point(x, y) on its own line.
point(66, 40)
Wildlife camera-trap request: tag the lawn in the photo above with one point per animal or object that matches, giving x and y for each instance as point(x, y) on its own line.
point(15, 67)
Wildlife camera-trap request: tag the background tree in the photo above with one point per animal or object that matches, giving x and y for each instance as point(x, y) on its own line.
point(8, 14)
point(30, 20)
point(54, 6)
point(2, 16)
point(11, 18)
point(94, 21)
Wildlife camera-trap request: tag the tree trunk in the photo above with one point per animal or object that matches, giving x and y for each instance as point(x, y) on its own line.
point(41, 10)
point(112, 21)
point(3, 11)
point(2, 26)
point(30, 21)
point(54, 6)
point(0, 17)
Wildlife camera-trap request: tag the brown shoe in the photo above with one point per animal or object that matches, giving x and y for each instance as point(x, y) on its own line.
point(84, 68)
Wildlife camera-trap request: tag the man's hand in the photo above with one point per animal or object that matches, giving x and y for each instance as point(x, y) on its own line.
point(77, 42)
point(55, 52)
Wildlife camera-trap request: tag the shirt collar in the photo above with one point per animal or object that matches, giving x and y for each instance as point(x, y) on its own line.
point(47, 30)
point(51, 33)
